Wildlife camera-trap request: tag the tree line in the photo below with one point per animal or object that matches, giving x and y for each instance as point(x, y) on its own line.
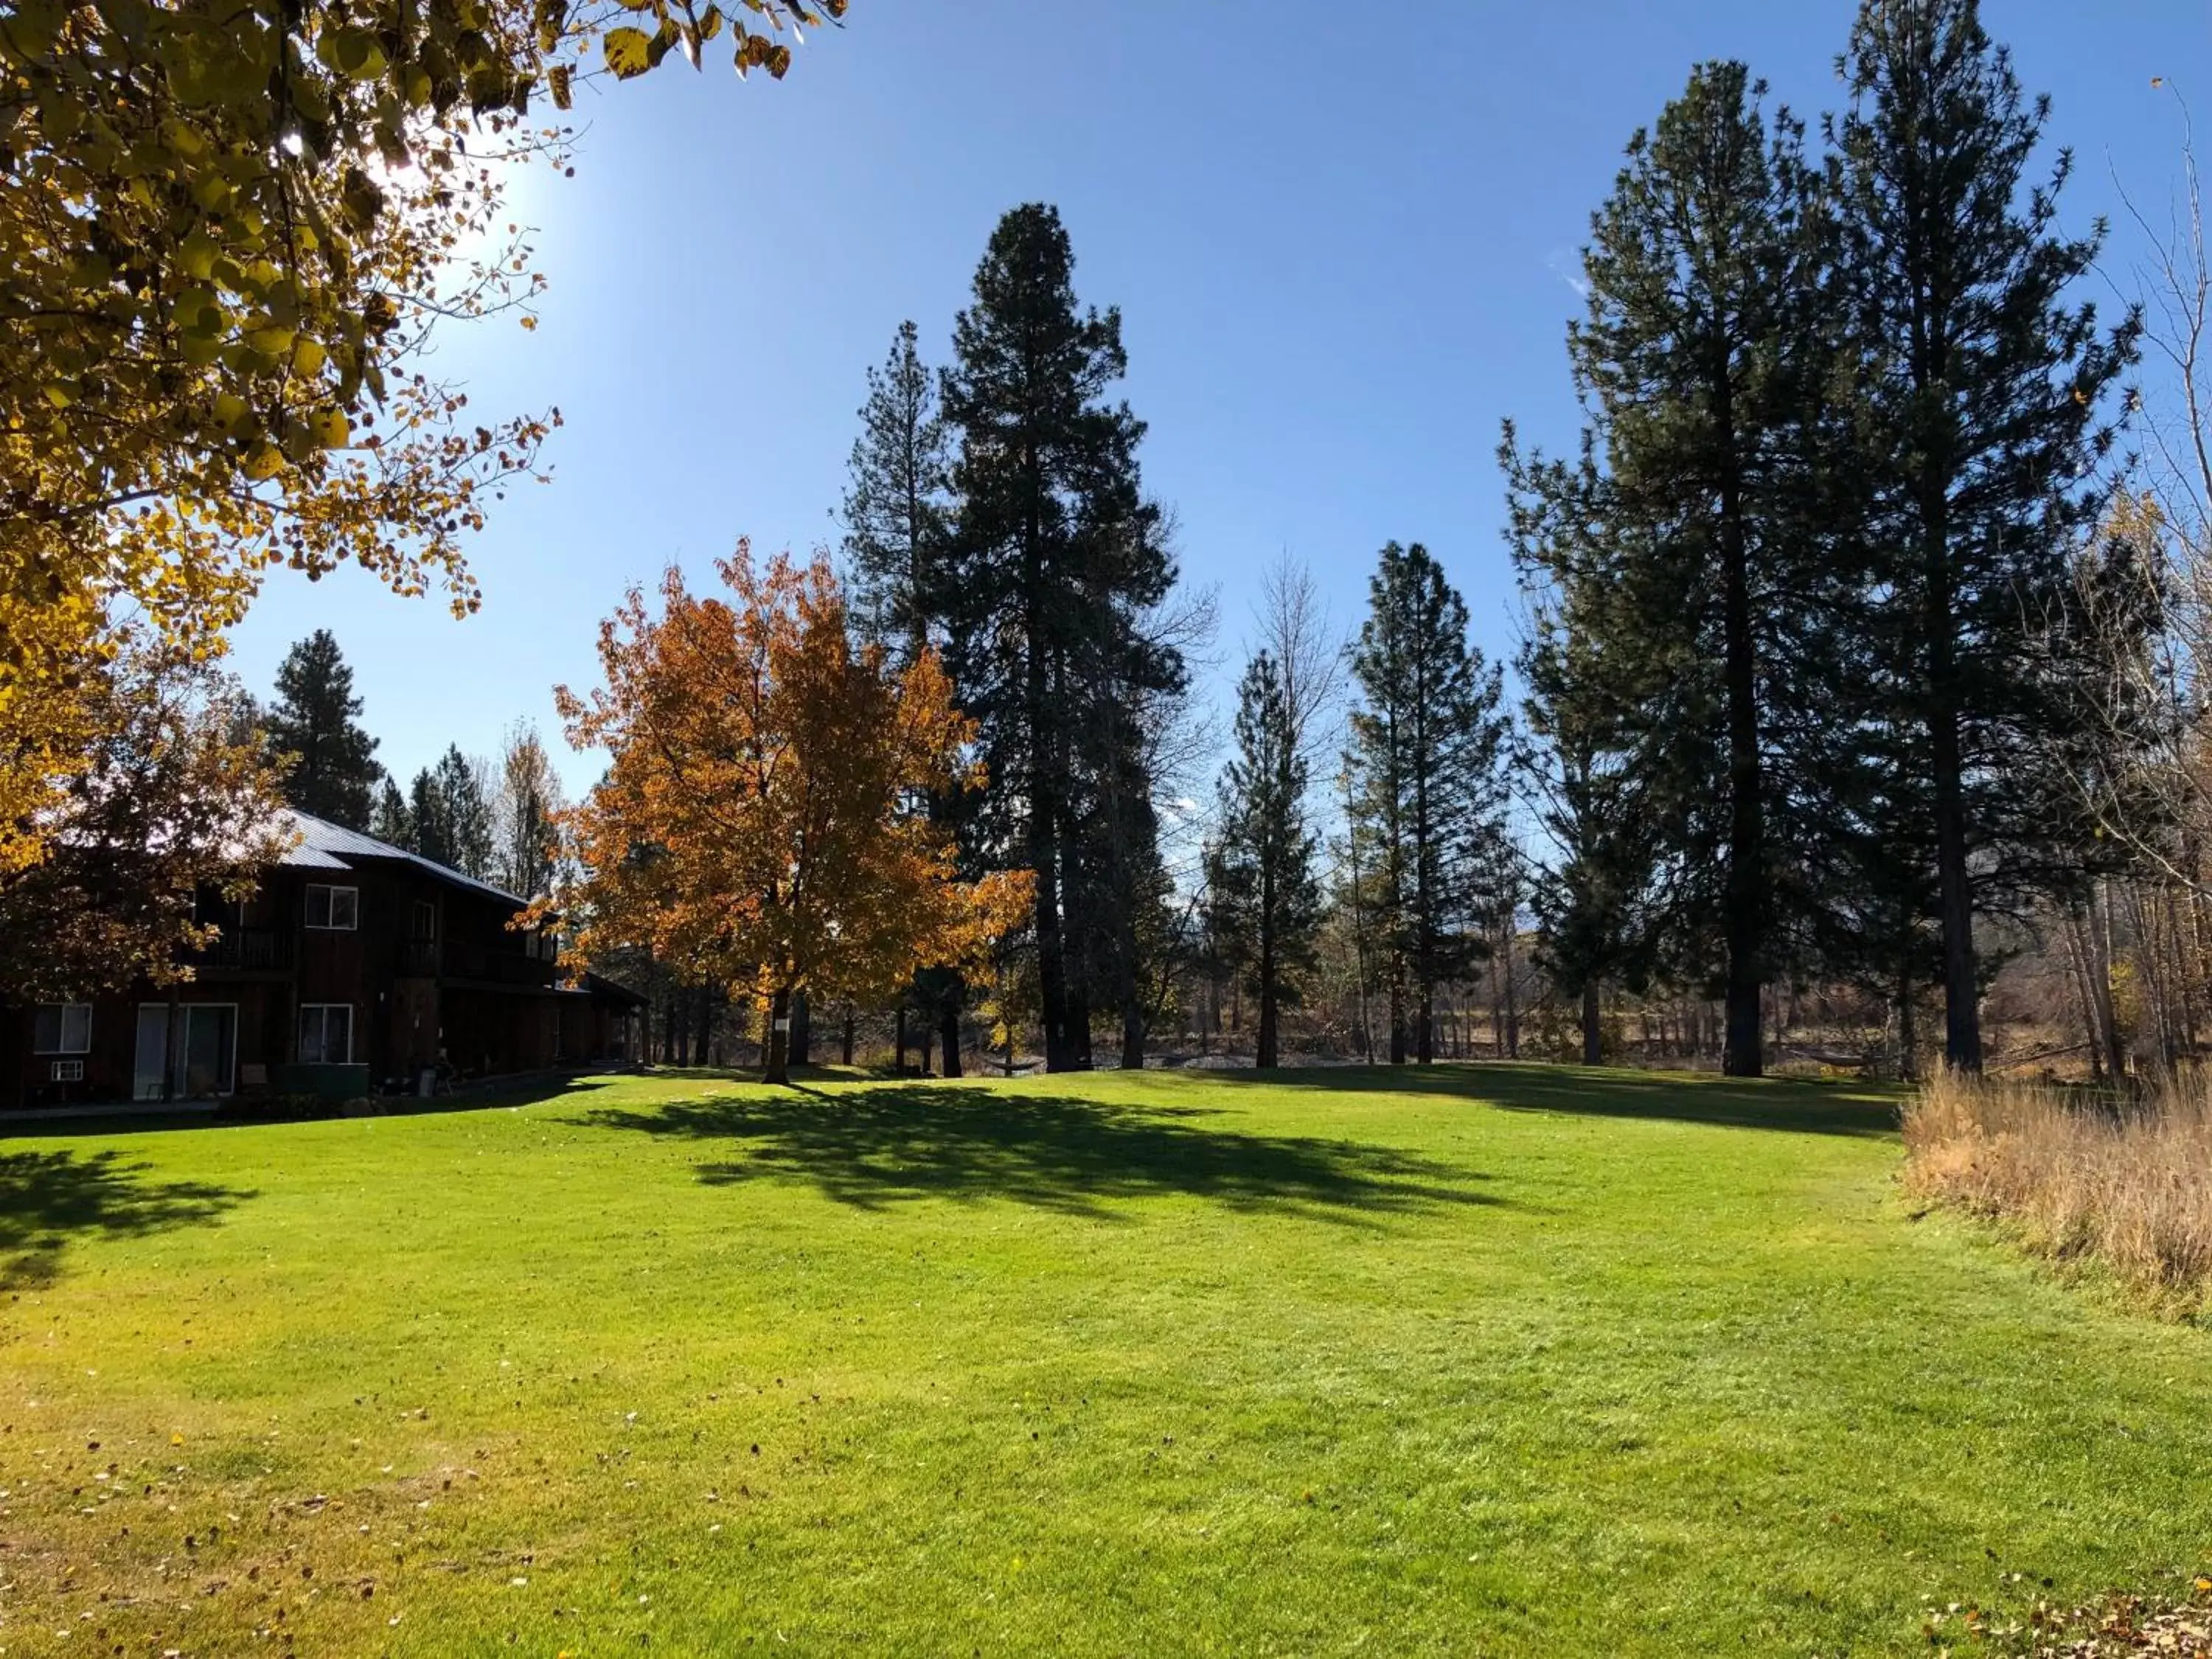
point(1844, 662)
point(489, 817)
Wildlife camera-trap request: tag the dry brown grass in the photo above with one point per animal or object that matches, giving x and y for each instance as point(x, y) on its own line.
point(2126, 1185)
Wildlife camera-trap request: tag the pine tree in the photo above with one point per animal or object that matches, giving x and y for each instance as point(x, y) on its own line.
point(1427, 746)
point(1983, 402)
point(468, 813)
point(1055, 561)
point(895, 502)
point(429, 819)
point(390, 821)
point(895, 521)
point(1700, 363)
point(1597, 871)
point(315, 718)
point(1264, 908)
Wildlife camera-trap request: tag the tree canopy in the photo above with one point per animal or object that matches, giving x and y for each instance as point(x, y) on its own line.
point(762, 819)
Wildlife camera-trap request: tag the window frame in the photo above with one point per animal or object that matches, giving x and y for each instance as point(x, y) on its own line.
point(329, 923)
point(325, 1009)
point(61, 1028)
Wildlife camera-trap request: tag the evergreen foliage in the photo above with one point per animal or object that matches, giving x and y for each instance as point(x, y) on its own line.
point(1055, 562)
point(895, 507)
point(1264, 904)
point(1983, 411)
point(315, 719)
point(1429, 791)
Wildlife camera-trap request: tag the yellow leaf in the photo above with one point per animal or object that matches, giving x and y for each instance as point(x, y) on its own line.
point(330, 428)
point(265, 462)
point(629, 52)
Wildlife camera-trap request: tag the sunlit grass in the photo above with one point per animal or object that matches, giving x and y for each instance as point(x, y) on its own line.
point(1497, 1360)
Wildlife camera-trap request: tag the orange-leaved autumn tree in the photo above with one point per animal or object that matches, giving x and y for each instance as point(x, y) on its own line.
point(763, 820)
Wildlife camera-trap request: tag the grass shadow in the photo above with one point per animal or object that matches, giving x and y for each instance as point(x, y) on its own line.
point(48, 1198)
point(1792, 1105)
point(871, 1147)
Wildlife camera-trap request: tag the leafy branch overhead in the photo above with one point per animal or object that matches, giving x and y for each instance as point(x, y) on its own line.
point(231, 233)
point(629, 50)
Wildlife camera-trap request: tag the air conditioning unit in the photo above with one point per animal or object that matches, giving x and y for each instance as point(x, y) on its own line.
point(69, 1070)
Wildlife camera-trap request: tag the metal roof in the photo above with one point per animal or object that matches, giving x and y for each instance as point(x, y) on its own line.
point(323, 845)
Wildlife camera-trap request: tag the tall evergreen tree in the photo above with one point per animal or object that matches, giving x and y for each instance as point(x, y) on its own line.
point(1265, 903)
point(1984, 399)
point(1427, 745)
point(896, 517)
point(1054, 561)
point(895, 511)
point(1597, 874)
point(315, 718)
point(1699, 361)
point(429, 819)
point(468, 813)
point(390, 821)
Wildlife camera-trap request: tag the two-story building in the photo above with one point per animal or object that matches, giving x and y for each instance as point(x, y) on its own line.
point(357, 968)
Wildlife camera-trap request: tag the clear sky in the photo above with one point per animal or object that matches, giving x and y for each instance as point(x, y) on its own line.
point(1341, 236)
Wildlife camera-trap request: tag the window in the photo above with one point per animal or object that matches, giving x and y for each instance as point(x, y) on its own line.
point(426, 920)
point(333, 909)
point(62, 1027)
point(326, 1032)
point(69, 1070)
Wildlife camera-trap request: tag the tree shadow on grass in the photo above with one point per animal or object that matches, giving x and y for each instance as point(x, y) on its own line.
point(1793, 1105)
point(874, 1147)
point(49, 1199)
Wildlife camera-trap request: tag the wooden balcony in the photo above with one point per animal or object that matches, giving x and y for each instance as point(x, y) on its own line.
point(247, 950)
point(463, 959)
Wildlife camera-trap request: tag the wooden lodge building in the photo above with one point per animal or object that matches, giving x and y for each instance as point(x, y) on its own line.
point(357, 969)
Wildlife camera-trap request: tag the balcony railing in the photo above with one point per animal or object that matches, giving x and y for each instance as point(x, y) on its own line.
point(462, 959)
point(265, 949)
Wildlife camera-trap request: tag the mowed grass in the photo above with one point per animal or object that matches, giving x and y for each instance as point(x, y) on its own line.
point(1504, 1360)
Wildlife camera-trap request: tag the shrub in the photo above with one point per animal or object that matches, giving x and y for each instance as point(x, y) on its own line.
point(2126, 1183)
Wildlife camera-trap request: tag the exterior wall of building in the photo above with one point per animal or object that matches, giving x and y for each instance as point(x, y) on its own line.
point(430, 969)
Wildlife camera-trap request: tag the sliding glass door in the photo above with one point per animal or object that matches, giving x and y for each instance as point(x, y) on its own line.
point(191, 1058)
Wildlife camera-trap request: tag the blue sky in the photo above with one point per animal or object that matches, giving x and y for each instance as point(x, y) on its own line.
point(1340, 235)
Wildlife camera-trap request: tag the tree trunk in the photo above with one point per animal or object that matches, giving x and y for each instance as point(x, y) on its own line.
point(2085, 985)
point(1593, 1027)
point(802, 1030)
point(1745, 900)
point(777, 1045)
point(1908, 1031)
point(1962, 1017)
point(1265, 1056)
point(948, 1027)
point(705, 1027)
point(1512, 1001)
point(847, 1051)
point(1059, 1050)
point(898, 1041)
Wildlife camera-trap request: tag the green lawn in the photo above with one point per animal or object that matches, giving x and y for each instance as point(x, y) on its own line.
point(1482, 1360)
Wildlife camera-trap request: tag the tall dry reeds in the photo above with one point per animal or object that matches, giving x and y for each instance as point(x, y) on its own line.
point(2124, 1183)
